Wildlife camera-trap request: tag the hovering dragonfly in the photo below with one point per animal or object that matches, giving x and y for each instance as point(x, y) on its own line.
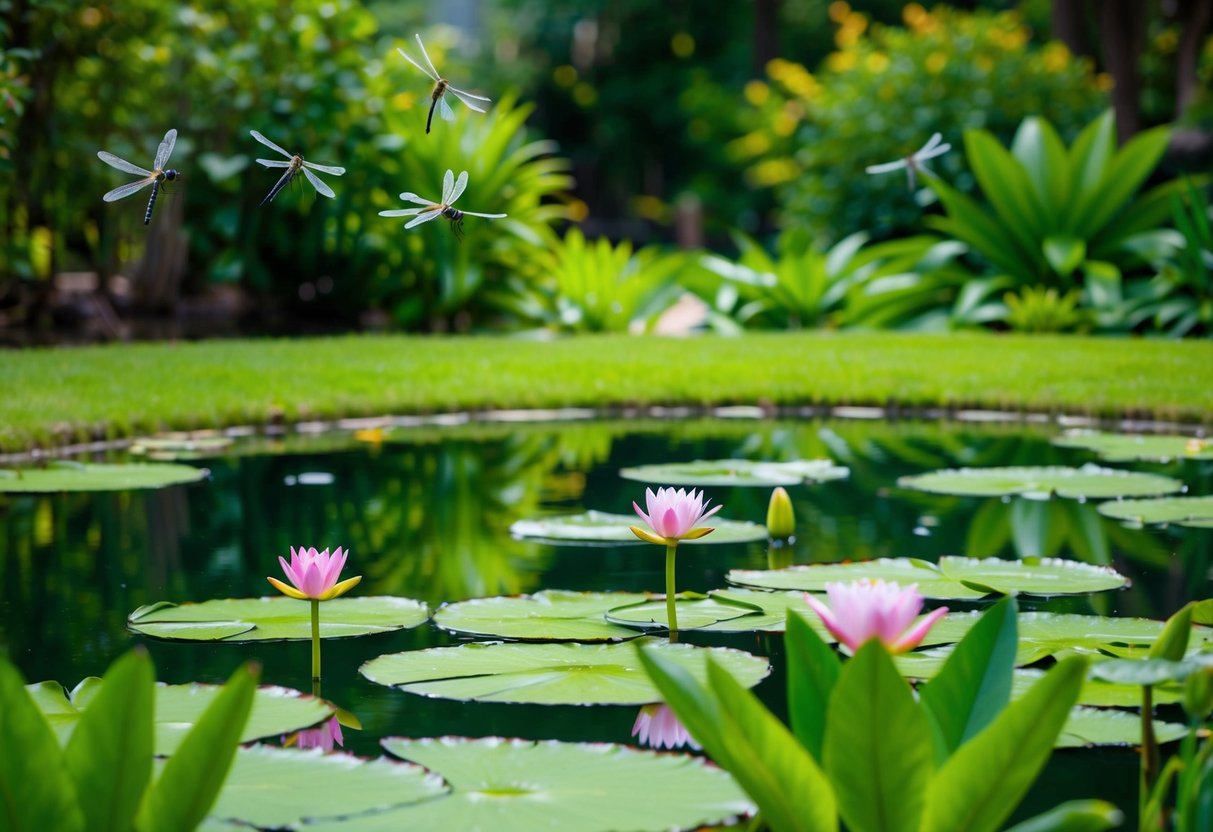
point(452, 189)
point(441, 88)
point(151, 177)
point(294, 164)
point(914, 162)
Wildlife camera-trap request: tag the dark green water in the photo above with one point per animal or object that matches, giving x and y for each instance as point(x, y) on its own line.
point(428, 518)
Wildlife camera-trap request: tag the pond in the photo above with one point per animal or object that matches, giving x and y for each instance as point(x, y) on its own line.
point(426, 513)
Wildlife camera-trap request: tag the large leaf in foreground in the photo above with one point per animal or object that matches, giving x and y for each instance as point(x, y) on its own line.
point(602, 527)
point(1196, 512)
point(548, 674)
point(1119, 447)
point(88, 476)
point(1042, 482)
point(262, 619)
point(550, 615)
point(733, 472)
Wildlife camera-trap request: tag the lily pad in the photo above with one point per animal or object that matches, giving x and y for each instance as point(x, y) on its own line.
point(1119, 447)
point(694, 612)
point(522, 785)
point(276, 618)
point(1098, 693)
point(1042, 482)
point(952, 578)
point(62, 475)
point(275, 710)
point(602, 527)
point(774, 616)
point(1196, 512)
point(731, 472)
point(548, 674)
point(550, 615)
point(180, 447)
point(1089, 727)
point(273, 788)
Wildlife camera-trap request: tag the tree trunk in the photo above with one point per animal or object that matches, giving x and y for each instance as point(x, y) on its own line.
point(1070, 25)
point(1122, 28)
point(766, 34)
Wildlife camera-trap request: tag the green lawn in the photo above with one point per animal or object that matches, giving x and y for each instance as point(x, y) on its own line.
point(59, 395)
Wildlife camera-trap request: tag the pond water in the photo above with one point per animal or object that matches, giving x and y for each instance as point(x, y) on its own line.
point(425, 513)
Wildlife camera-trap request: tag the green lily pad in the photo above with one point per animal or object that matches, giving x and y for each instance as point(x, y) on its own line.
point(62, 475)
point(1042, 482)
point(774, 616)
point(523, 785)
point(276, 618)
point(548, 674)
point(1098, 693)
point(1119, 447)
point(1089, 727)
point(694, 612)
point(180, 447)
point(602, 527)
point(1049, 633)
point(550, 615)
point(952, 578)
point(275, 710)
point(274, 788)
point(1196, 512)
point(731, 472)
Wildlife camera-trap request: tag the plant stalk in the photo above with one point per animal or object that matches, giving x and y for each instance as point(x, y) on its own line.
point(315, 647)
point(671, 610)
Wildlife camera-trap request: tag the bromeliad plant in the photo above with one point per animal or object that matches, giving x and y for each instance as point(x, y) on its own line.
point(865, 751)
point(673, 516)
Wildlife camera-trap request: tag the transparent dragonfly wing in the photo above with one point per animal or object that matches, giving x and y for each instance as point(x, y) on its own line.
point(486, 216)
point(448, 186)
point(274, 163)
point(121, 164)
point(409, 196)
point(318, 184)
point(335, 171)
point(165, 150)
point(461, 185)
point(425, 216)
point(444, 109)
point(886, 167)
point(270, 144)
point(933, 152)
point(426, 55)
point(432, 76)
point(406, 212)
point(468, 99)
point(935, 139)
point(128, 189)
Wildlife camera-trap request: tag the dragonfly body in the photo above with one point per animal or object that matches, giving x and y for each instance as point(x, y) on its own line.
point(153, 177)
point(294, 164)
point(441, 87)
point(452, 189)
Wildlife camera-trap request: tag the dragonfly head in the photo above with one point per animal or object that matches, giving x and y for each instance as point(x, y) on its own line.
point(173, 174)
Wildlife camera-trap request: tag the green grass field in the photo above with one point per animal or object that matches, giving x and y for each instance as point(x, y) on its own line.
point(55, 396)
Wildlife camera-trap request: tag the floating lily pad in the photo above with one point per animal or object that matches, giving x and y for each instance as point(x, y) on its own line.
point(548, 674)
point(180, 447)
point(951, 578)
point(62, 475)
point(274, 788)
point(275, 710)
point(550, 615)
point(774, 616)
point(277, 618)
point(694, 612)
point(1042, 482)
point(1196, 512)
point(1049, 633)
point(1088, 727)
point(602, 527)
point(730, 472)
point(1098, 693)
point(1119, 447)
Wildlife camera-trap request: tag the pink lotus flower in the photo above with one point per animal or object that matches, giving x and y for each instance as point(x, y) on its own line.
point(314, 575)
point(326, 736)
point(658, 727)
point(673, 516)
point(866, 609)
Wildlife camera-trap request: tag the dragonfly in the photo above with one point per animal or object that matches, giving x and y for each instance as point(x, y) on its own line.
point(452, 189)
point(151, 177)
point(293, 164)
point(441, 88)
point(914, 162)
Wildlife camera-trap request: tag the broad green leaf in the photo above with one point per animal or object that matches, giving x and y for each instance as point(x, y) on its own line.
point(1173, 642)
point(879, 785)
point(982, 783)
point(1064, 253)
point(602, 527)
point(1041, 482)
point(1183, 511)
point(733, 472)
point(1043, 155)
point(192, 777)
point(1142, 672)
point(1087, 727)
point(36, 793)
point(275, 788)
point(968, 222)
point(975, 683)
point(1074, 816)
point(1089, 157)
point(694, 612)
point(78, 476)
point(813, 669)
point(1120, 447)
point(109, 756)
point(1032, 576)
point(1002, 179)
point(550, 615)
point(775, 607)
point(1098, 693)
point(813, 578)
point(1125, 173)
point(279, 617)
point(547, 674)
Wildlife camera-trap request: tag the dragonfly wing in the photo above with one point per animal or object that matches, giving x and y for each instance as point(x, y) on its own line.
point(270, 144)
point(423, 217)
point(274, 163)
point(121, 164)
point(933, 152)
point(469, 99)
point(886, 167)
point(335, 171)
point(127, 189)
point(445, 110)
point(318, 184)
point(425, 71)
point(448, 186)
point(461, 185)
point(405, 212)
point(165, 150)
point(408, 196)
point(433, 72)
point(486, 216)
point(931, 142)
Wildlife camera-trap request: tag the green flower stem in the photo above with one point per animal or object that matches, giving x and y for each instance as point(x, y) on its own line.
point(670, 609)
point(315, 647)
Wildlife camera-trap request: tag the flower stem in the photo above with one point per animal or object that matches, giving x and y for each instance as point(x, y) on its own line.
point(315, 647)
point(670, 609)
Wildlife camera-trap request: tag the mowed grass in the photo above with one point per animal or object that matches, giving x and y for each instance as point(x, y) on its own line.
point(55, 396)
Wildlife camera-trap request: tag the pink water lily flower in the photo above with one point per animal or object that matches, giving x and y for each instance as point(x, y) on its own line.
point(673, 516)
point(325, 736)
point(863, 610)
point(314, 575)
point(657, 727)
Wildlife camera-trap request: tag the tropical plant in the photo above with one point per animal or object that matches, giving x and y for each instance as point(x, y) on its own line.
point(102, 779)
point(1041, 309)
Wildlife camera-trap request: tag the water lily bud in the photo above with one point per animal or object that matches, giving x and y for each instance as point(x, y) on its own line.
point(781, 519)
point(1198, 694)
